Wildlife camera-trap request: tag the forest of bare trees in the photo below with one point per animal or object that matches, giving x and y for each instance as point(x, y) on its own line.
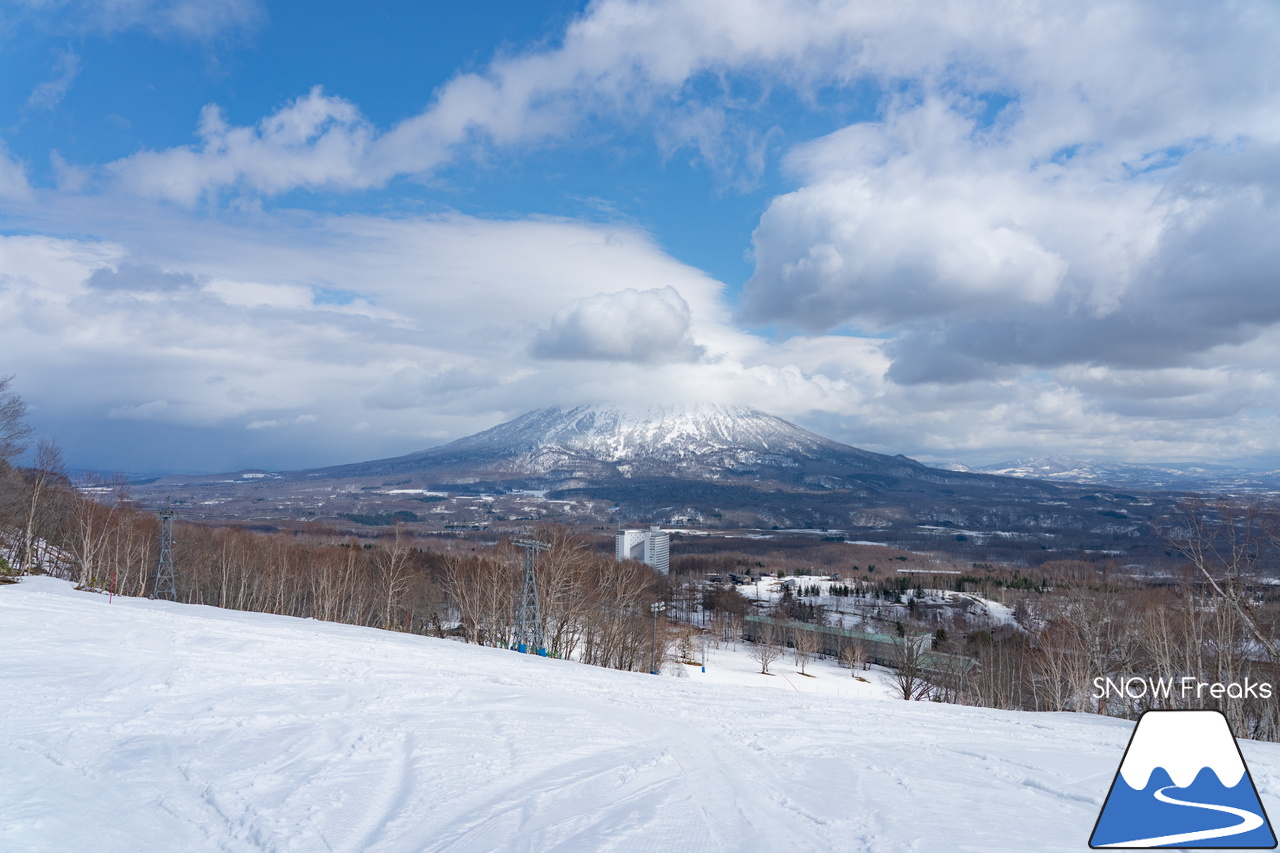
point(1074, 637)
point(1082, 630)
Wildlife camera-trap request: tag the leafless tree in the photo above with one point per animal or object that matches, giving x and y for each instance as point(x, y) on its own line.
point(41, 480)
point(804, 644)
point(1002, 673)
point(392, 563)
point(563, 576)
point(13, 424)
point(1223, 541)
point(481, 589)
point(94, 523)
point(855, 655)
point(909, 658)
point(765, 650)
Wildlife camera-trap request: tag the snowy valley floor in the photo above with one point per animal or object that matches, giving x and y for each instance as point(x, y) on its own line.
point(148, 726)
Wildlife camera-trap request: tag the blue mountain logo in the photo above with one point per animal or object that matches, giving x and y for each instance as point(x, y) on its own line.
point(1183, 783)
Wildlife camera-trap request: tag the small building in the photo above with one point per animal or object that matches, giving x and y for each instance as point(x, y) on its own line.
point(652, 547)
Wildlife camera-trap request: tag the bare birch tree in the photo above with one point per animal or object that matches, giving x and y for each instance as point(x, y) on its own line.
point(804, 644)
point(765, 649)
point(392, 563)
point(1223, 542)
point(14, 430)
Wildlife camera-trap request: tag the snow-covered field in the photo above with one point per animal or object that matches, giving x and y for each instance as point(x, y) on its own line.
point(148, 726)
point(852, 612)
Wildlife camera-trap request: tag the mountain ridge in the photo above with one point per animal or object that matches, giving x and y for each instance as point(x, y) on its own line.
point(1148, 476)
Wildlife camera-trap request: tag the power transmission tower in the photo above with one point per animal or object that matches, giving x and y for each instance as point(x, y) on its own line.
point(529, 615)
point(655, 608)
point(164, 586)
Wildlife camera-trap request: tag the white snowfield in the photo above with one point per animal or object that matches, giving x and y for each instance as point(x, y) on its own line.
point(149, 726)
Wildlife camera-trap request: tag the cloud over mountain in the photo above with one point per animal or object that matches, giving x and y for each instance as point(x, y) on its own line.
point(646, 327)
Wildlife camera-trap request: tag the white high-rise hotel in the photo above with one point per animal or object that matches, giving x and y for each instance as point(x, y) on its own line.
point(650, 546)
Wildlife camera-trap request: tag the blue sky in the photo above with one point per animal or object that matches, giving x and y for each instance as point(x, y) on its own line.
point(248, 233)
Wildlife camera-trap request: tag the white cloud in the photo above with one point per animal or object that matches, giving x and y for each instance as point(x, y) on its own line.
point(1058, 211)
point(13, 177)
point(646, 327)
point(196, 19)
point(47, 95)
point(1045, 185)
point(315, 141)
point(210, 343)
point(1132, 76)
point(210, 327)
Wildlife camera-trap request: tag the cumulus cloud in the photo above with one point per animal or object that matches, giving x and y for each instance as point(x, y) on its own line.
point(1045, 216)
point(1152, 79)
point(646, 327)
point(1195, 274)
point(314, 141)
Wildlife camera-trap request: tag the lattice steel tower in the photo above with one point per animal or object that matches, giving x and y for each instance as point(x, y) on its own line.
point(529, 615)
point(164, 586)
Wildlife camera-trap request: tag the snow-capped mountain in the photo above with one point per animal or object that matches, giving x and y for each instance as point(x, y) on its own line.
point(697, 440)
point(605, 441)
point(725, 465)
point(618, 434)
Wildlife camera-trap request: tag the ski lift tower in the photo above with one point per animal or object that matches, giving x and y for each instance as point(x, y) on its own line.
point(529, 615)
point(164, 586)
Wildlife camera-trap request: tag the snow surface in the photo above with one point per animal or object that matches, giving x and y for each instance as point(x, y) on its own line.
point(140, 726)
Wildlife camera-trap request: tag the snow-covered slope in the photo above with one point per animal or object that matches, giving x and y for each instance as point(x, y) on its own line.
point(149, 726)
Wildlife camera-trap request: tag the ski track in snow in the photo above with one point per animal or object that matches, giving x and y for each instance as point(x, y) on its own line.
point(150, 726)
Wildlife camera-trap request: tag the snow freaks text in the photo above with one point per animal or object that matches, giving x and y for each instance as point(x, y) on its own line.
point(1186, 687)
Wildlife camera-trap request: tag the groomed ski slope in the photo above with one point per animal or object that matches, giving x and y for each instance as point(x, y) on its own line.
point(149, 726)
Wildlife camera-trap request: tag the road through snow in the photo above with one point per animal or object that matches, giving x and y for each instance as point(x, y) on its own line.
point(150, 726)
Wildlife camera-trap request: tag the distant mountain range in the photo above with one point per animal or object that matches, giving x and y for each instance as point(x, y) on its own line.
point(1169, 477)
